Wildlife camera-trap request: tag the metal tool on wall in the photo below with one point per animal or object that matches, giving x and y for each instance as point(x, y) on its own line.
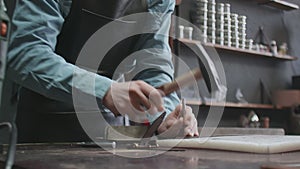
point(294, 119)
point(207, 71)
point(265, 94)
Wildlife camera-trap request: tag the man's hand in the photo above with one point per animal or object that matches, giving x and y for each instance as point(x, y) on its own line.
point(177, 126)
point(133, 98)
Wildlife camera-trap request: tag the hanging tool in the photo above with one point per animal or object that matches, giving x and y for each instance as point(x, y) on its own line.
point(207, 71)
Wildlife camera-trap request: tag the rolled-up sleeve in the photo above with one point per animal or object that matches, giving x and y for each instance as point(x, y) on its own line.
point(156, 65)
point(32, 61)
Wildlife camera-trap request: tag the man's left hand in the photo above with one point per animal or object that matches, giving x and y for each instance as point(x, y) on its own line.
point(176, 125)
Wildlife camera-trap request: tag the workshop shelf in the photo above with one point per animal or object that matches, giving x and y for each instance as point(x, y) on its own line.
point(242, 51)
point(247, 67)
point(232, 105)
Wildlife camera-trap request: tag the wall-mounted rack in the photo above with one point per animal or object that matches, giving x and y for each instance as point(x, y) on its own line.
point(233, 105)
point(245, 51)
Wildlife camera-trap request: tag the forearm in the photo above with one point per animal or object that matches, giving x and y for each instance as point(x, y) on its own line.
point(32, 61)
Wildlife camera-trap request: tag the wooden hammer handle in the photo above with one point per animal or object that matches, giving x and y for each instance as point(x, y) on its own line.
point(183, 80)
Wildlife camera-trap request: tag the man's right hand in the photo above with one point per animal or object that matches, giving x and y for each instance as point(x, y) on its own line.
point(133, 98)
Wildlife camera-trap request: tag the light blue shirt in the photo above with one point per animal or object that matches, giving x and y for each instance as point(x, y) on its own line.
point(33, 63)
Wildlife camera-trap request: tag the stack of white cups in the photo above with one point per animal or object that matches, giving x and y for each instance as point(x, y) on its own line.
point(181, 31)
point(202, 12)
point(185, 32)
point(242, 31)
point(227, 25)
point(220, 24)
point(211, 22)
point(234, 30)
point(249, 44)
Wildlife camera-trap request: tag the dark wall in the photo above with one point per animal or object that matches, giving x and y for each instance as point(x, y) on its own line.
point(9, 116)
point(10, 5)
point(245, 71)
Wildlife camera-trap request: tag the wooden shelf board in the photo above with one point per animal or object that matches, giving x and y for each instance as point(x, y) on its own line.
point(247, 105)
point(246, 51)
point(280, 4)
point(194, 102)
point(232, 105)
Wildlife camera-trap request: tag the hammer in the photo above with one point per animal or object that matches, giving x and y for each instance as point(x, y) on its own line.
point(207, 71)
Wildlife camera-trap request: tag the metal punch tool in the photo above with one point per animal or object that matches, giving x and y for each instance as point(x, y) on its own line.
point(147, 141)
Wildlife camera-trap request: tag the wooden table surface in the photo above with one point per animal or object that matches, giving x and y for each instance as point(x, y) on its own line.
point(76, 157)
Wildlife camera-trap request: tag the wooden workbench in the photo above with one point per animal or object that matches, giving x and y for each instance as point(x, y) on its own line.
point(76, 157)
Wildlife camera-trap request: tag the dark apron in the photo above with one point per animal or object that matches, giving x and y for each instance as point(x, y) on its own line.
point(39, 118)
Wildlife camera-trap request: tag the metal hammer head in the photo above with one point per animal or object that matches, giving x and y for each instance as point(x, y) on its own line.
point(210, 74)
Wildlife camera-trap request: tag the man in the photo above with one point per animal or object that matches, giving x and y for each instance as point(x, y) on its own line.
point(46, 39)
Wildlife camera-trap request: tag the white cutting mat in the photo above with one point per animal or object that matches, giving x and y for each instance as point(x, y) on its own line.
point(264, 144)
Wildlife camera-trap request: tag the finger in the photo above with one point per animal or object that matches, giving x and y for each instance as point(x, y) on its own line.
point(190, 128)
point(177, 111)
point(152, 111)
point(156, 99)
point(170, 122)
point(175, 129)
point(139, 118)
point(137, 98)
point(189, 115)
point(194, 127)
point(136, 115)
point(174, 122)
point(190, 123)
point(153, 94)
point(188, 131)
point(161, 92)
point(187, 120)
point(177, 125)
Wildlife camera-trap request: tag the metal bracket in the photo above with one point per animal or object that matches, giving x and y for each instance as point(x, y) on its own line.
point(10, 158)
point(148, 145)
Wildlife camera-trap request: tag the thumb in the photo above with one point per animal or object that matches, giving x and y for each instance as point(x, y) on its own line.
point(177, 111)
